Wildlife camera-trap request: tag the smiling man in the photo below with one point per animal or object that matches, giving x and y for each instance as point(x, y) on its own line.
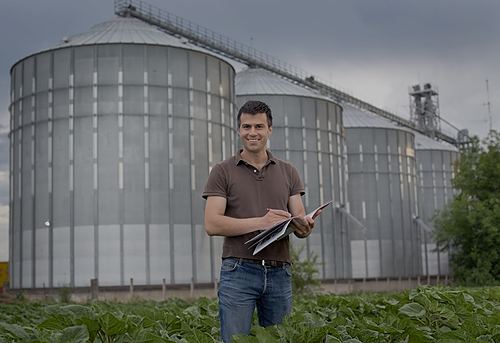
point(245, 194)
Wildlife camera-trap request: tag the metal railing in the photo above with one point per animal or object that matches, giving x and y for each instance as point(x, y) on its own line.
point(219, 44)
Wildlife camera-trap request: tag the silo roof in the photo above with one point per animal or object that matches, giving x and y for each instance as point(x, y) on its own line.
point(261, 81)
point(357, 118)
point(124, 30)
point(422, 142)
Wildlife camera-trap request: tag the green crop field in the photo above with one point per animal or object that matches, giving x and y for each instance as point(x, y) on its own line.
point(424, 314)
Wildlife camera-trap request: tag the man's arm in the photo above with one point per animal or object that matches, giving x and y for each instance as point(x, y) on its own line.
point(303, 225)
point(218, 224)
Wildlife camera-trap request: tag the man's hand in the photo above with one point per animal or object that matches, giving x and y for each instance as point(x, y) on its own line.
point(303, 226)
point(274, 216)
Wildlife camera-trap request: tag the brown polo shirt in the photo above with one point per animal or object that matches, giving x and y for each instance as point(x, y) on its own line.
point(249, 193)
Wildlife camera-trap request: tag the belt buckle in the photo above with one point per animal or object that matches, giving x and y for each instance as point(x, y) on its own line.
point(263, 263)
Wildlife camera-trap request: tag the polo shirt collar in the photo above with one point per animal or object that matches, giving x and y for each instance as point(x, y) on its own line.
point(238, 159)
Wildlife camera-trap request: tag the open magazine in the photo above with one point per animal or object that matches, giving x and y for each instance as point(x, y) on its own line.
point(278, 231)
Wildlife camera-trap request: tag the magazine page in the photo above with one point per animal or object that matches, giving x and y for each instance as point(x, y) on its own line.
point(279, 231)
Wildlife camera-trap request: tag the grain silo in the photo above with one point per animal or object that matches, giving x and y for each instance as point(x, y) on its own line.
point(382, 195)
point(308, 133)
point(113, 132)
point(434, 175)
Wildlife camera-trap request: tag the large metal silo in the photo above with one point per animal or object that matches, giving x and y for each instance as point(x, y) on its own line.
point(113, 132)
point(382, 196)
point(307, 132)
point(434, 175)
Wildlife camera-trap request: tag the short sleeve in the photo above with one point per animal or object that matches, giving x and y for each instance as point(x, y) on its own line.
point(297, 186)
point(216, 184)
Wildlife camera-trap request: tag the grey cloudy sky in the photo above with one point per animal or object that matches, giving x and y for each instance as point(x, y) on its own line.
point(371, 49)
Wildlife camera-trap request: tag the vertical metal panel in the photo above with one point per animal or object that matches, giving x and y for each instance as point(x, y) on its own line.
point(204, 265)
point(183, 254)
point(109, 255)
point(42, 272)
point(60, 181)
point(134, 238)
point(365, 255)
point(133, 170)
point(83, 173)
point(27, 259)
point(84, 252)
point(159, 253)
point(61, 256)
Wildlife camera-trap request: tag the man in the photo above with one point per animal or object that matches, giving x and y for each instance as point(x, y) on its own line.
point(245, 194)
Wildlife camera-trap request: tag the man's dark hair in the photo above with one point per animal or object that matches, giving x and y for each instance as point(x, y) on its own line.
point(256, 107)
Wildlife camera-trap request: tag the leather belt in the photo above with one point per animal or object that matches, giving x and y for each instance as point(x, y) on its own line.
point(265, 263)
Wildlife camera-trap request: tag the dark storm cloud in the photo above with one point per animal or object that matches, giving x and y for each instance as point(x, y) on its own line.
point(453, 43)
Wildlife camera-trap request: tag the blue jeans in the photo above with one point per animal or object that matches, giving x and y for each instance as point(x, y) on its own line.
point(244, 286)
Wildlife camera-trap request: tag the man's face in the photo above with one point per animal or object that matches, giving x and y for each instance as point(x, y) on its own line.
point(254, 131)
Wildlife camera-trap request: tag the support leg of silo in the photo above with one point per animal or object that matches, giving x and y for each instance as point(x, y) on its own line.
point(164, 290)
point(131, 288)
point(216, 287)
point(6, 287)
point(94, 289)
point(192, 288)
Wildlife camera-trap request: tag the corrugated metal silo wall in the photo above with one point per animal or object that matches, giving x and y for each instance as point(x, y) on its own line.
point(308, 133)
point(112, 145)
point(435, 173)
point(382, 196)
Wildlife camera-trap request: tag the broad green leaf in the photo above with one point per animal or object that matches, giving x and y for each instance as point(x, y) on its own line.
point(200, 337)
point(17, 331)
point(111, 325)
point(193, 310)
point(92, 326)
point(332, 339)
point(79, 311)
point(485, 338)
point(468, 298)
point(144, 336)
point(52, 323)
point(393, 302)
point(264, 336)
point(412, 310)
point(74, 334)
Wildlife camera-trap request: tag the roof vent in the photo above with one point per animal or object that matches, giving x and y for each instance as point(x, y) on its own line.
point(65, 39)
